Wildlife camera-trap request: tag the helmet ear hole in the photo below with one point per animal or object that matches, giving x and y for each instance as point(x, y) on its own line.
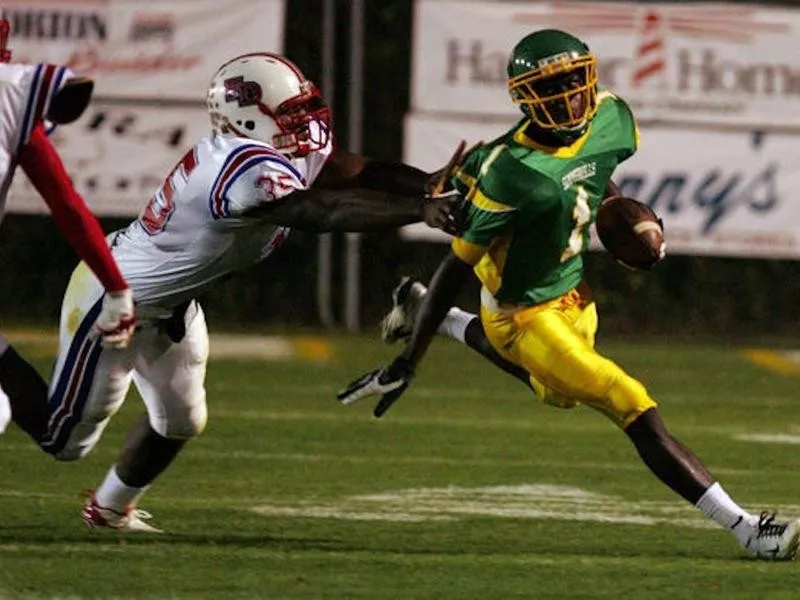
point(249, 125)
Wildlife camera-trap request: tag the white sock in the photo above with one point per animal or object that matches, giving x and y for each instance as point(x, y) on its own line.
point(117, 496)
point(718, 506)
point(5, 411)
point(455, 323)
point(5, 403)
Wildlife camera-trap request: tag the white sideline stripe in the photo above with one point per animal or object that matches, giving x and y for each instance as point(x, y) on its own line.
point(221, 345)
point(768, 438)
point(251, 346)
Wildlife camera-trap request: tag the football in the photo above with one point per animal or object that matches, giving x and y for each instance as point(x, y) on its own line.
point(631, 232)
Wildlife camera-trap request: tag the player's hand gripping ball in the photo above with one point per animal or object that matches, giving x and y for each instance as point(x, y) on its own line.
point(631, 232)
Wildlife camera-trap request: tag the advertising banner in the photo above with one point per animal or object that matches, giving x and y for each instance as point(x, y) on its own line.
point(719, 193)
point(118, 155)
point(145, 49)
point(674, 63)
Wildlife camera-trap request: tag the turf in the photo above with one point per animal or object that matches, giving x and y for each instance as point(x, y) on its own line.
point(468, 488)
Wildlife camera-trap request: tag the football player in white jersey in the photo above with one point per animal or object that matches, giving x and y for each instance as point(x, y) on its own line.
point(269, 165)
point(29, 96)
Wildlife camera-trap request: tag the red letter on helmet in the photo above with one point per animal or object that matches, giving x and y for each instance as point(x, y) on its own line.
point(246, 93)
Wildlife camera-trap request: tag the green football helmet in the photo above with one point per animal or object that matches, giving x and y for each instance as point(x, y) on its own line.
point(552, 75)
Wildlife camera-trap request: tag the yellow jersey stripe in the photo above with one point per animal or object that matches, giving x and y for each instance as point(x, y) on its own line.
point(467, 251)
point(466, 179)
point(482, 201)
point(561, 152)
point(604, 95)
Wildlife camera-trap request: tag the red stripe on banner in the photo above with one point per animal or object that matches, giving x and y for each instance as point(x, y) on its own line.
point(647, 71)
point(739, 26)
point(230, 172)
point(654, 46)
point(44, 92)
point(576, 20)
point(705, 33)
point(652, 21)
point(563, 6)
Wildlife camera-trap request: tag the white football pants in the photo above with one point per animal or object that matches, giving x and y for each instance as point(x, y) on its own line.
point(90, 383)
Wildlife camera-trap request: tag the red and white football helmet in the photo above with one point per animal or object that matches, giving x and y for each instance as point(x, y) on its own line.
point(265, 97)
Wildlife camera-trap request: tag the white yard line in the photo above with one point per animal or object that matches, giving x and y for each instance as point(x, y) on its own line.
point(528, 501)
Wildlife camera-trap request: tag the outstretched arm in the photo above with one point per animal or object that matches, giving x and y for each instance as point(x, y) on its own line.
point(440, 297)
point(346, 170)
point(357, 210)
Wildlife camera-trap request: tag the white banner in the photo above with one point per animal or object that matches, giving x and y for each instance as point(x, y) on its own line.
point(144, 48)
point(118, 155)
point(680, 62)
point(719, 193)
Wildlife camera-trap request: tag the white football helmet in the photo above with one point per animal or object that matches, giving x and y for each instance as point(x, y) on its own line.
point(265, 97)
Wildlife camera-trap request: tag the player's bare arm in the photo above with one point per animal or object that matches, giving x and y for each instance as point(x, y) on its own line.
point(357, 209)
point(441, 296)
point(390, 382)
point(345, 169)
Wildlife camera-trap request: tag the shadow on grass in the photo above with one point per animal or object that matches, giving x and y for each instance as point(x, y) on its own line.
point(32, 535)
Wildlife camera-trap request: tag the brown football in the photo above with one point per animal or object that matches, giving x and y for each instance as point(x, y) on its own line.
point(631, 231)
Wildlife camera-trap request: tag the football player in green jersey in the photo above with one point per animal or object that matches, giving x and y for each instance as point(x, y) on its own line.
point(531, 195)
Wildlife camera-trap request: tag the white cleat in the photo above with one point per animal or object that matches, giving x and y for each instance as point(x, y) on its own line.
point(399, 322)
point(132, 519)
point(774, 540)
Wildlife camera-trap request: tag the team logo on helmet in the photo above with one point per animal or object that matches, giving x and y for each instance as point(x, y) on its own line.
point(246, 93)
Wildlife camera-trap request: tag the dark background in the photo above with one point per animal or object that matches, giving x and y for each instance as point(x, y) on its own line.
point(684, 296)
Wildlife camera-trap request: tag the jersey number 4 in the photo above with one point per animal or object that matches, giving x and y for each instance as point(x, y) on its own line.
point(156, 214)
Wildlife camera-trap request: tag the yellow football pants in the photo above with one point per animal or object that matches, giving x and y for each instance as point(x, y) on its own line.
point(554, 342)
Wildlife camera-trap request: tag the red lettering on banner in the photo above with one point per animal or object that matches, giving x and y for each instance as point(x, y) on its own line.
point(91, 61)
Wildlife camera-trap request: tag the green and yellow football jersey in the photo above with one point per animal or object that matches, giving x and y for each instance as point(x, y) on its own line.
point(530, 206)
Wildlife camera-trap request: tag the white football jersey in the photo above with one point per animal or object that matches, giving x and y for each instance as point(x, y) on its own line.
point(25, 95)
point(193, 231)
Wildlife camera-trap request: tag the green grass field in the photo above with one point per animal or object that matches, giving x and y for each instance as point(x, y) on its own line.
point(468, 489)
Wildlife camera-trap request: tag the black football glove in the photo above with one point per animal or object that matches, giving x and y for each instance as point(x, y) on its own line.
point(388, 382)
